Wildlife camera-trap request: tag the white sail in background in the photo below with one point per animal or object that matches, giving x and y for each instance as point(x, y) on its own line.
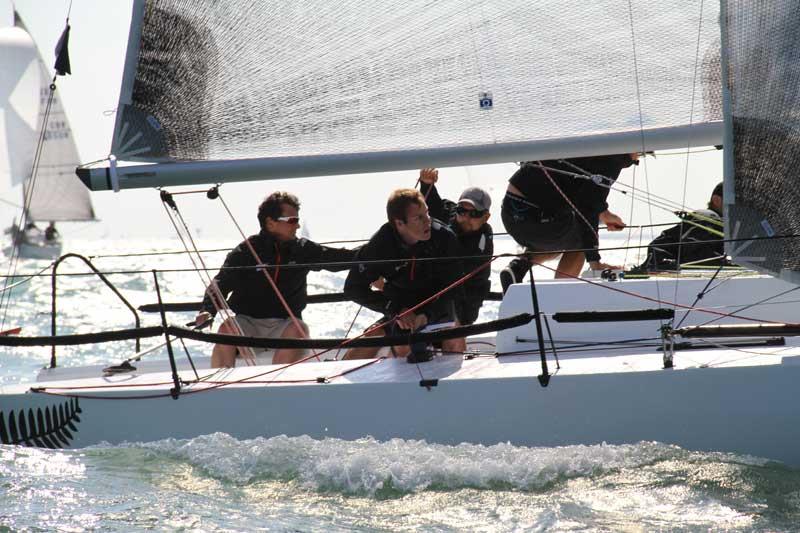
point(19, 106)
point(57, 194)
point(299, 89)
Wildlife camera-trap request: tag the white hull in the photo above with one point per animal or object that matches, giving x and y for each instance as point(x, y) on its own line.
point(33, 245)
point(714, 399)
point(40, 250)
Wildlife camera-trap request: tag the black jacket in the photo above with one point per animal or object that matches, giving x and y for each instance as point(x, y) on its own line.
point(687, 242)
point(250, 292)
point(408, 282)
point(479, 243)
point(588, 197)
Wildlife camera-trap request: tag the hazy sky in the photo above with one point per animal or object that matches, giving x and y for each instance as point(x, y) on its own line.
point(342, 207)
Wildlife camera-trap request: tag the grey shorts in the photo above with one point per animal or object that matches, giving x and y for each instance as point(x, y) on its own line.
point(538, 231)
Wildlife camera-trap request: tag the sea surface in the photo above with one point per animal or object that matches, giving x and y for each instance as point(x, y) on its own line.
point(219, 483)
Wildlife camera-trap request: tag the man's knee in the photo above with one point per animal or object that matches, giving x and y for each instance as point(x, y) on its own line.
point(228, 327)
point(293, 332)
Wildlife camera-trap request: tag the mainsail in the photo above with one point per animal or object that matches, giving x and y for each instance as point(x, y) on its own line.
point(56, 194)
point(233, 90)
point(761, 54)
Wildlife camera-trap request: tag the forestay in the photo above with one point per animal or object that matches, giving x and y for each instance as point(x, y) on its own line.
point(308, 88)
point(56, 194)
point(762, 57)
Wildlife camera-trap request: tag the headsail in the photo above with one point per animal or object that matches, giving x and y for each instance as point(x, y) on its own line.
point(57, 195)
point(310, 88)
point(761, 54)
point(19, 101)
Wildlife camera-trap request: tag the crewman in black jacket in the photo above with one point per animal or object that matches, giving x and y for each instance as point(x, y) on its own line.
point(469, 221)
point(557, 205)
point(409, 236)
point(259, 311)
point(698, 239)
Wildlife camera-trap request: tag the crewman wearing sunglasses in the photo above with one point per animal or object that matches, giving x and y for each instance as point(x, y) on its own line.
point(469, 220)
point(260, 310)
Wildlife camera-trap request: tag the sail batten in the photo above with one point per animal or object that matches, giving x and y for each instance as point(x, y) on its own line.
point(234, 80)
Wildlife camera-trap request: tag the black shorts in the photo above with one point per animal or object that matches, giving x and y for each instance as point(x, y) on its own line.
point(539, 231)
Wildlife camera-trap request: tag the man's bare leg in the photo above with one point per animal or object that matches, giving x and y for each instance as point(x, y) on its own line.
point(454, 345)
point(570, 265)
point(365, 353)
point(224, 355)
point(290, 355)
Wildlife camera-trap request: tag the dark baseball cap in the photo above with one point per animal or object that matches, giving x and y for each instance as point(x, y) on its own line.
point(476, 196)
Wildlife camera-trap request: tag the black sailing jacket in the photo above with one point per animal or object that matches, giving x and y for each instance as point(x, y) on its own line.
point(588, 197)
point(481, 242)
point(410, 281)
point(687, 242)
point(250, 292)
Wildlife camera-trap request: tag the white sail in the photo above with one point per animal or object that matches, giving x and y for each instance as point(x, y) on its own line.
point(19, 106)
point(56, 195)
point(292, 88)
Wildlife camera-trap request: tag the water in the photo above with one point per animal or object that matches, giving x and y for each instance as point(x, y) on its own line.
point(218, 483)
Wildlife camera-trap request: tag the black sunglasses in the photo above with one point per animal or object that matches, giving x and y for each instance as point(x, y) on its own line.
point(471, 213)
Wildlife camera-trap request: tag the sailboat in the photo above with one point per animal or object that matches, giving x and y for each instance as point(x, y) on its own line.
point(51, 194)
point(705, 363)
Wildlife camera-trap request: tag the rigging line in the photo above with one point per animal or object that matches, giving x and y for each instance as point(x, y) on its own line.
point(272, 283)
point(5, 296)
point(641, 127)
point(26, 280)
point(699, 296)
point(375, 327)
point(752, 354)
point(9, 202)
point(349, 329)
point(347, 241)
point(557, 188)
point(688, 147)
point(212, 385)
point(390, 261)
point(217, 300)
point(630, 217)
point(763, 301)
point(661, 302)
point(662, 203)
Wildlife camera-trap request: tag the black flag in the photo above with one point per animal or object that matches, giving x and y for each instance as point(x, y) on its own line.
point(62, 53)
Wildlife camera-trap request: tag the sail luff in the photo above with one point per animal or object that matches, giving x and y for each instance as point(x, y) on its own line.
point(762, 53)
point(129, 70)
point(199, 172)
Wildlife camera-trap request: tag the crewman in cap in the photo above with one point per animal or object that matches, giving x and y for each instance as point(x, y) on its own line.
point(469, 220)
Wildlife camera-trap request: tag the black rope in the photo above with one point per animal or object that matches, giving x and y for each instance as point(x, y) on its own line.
point(264, 342)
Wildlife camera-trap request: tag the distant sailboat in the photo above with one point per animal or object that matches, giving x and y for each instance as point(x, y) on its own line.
point(53, 194)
